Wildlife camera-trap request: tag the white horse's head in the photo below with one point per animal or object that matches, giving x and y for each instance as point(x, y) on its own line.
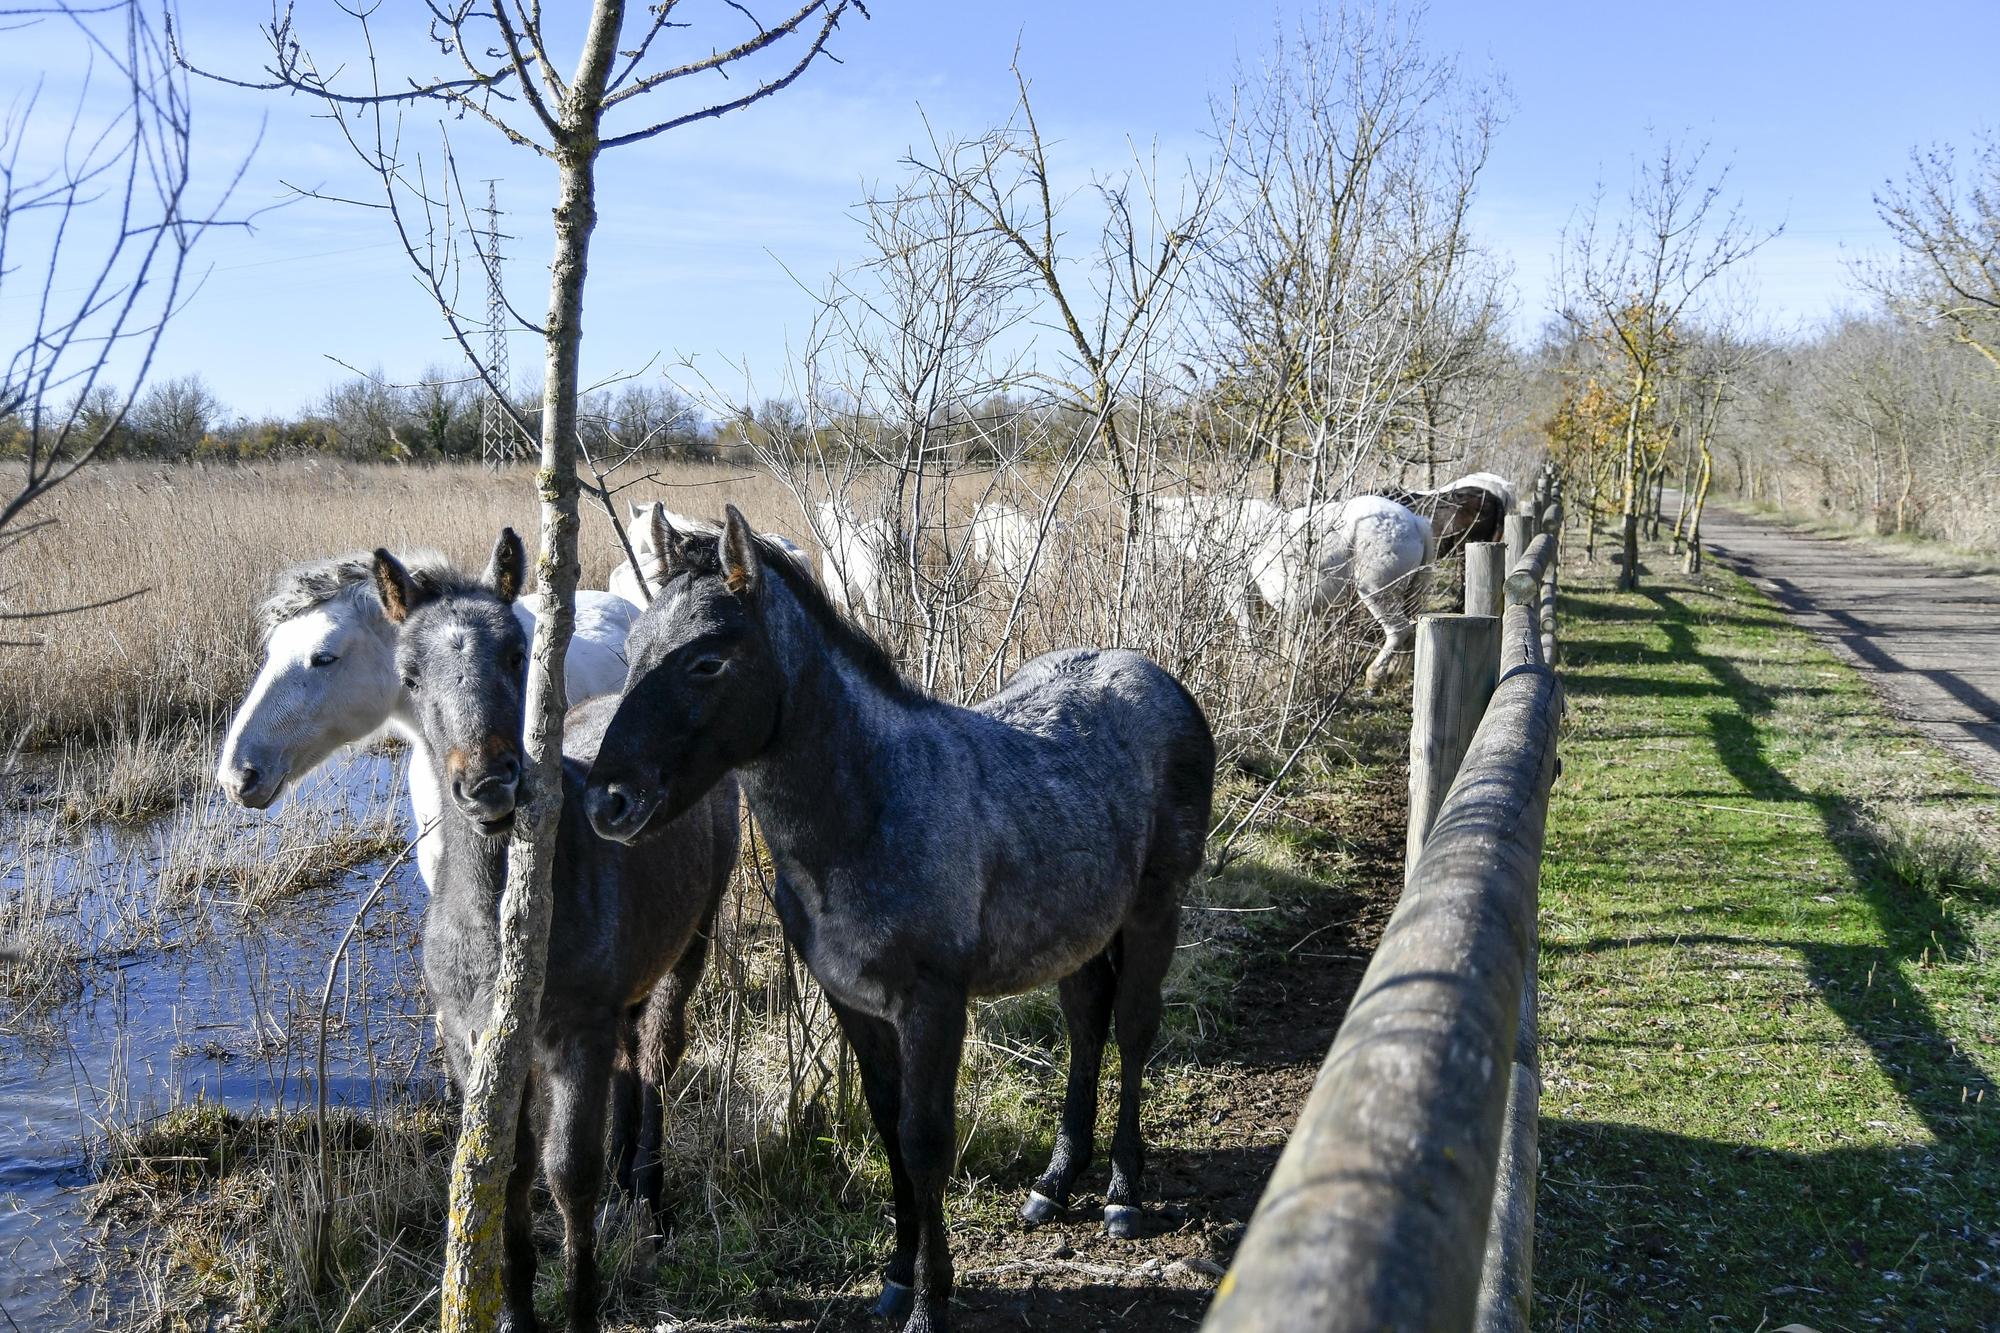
point(328, 679)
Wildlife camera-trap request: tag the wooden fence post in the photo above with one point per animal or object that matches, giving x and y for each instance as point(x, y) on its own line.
point(1485, 577)
point(1458, 664)
point(1520, 531)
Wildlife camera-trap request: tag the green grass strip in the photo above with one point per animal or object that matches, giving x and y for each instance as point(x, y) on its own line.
point(1770, 986)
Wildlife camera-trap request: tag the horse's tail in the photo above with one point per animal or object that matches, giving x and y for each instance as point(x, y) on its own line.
point(1188, 787)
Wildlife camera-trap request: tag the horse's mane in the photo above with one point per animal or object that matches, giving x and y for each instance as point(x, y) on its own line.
point(317, 582)
point(703, 555)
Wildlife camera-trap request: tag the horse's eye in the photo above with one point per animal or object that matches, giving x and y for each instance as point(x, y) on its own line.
point(707, 666)
point(409, 680)
point(323, 659)
point(516, 660)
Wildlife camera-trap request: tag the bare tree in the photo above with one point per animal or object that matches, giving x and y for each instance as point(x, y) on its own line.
point(95, 239)
point(1635, 281)
point(1949, 229)
point(1357, 312)
point(1716, 363)
point(174, 415)
point(1110, 308)
point(491, 65)
point(904, 356)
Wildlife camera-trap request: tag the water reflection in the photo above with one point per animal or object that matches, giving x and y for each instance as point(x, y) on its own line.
point(182, 989)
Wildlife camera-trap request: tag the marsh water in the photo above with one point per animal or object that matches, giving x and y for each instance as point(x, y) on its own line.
point(198, 972)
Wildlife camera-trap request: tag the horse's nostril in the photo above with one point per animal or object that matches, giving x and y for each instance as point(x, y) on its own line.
point(246, 777)
point(610, 805)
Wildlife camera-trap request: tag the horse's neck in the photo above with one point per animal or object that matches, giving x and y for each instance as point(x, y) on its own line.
point(426, 794)
point(470, 871)
point(825, 779)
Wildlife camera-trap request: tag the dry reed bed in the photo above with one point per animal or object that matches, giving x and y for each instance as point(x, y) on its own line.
point(202, 543)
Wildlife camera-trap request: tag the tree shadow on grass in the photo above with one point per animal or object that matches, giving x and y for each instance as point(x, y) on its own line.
point(1643, 1229)
point(1864, 984)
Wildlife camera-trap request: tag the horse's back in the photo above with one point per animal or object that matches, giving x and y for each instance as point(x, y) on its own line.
point(1381, 530)
point(595, 661)
point(1119, 721)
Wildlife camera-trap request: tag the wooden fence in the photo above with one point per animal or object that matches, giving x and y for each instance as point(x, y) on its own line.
point(1405, 1198)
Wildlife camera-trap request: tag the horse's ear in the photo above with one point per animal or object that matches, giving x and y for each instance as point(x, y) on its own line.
point(394, 586)
point(637, 511)
point(643, 533)
point(504, 572)
point(669, 543)
point(741, 564)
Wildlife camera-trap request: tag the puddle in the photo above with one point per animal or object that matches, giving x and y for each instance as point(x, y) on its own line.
point(183, 990)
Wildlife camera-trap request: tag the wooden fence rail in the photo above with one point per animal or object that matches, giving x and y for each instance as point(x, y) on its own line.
point(1405, 1196)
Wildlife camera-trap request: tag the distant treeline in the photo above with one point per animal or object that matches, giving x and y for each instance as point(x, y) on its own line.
point(436, 418)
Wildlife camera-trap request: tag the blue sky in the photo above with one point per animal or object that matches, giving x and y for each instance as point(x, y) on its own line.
point(1815, 105)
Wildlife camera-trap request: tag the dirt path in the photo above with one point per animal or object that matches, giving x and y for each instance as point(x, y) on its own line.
point(1927, 639)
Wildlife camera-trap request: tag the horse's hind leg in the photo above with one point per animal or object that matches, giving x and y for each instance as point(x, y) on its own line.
point(1145, 948)
point(626, 1093)
point(874, 1043)
point(1086, 996)
point(1388, 608)
point(573, 1157)
point(662, 1042)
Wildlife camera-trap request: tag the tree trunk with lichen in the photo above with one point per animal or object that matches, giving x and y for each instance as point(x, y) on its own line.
point(500, 1055)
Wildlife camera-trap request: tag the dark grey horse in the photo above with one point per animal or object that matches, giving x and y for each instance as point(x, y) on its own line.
point(1458, 514)
point(927, 853)
point(630, 928)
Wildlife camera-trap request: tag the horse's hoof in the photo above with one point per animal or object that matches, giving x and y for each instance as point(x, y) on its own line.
point(1039, 1208)
point(1121, 1221)
point(897, 1300)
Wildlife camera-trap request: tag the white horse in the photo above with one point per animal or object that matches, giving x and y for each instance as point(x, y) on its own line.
point(854, 556)
point(1373, 545)
point(329, 679)
point(1003, 539)
point(639, 531)
point(1220, 535)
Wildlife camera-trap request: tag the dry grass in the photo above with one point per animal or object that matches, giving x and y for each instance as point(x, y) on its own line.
point(203, 544)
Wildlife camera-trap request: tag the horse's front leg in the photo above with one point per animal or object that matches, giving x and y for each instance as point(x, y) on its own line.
point(930, 1039)
point(626, 1103)
point(662, 1042)
point(579, 1079)
point(876, 1053)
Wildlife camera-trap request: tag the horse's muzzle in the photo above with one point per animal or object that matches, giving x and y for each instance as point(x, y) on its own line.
point(619, 811)
point(489, 800)
point(250, 786)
